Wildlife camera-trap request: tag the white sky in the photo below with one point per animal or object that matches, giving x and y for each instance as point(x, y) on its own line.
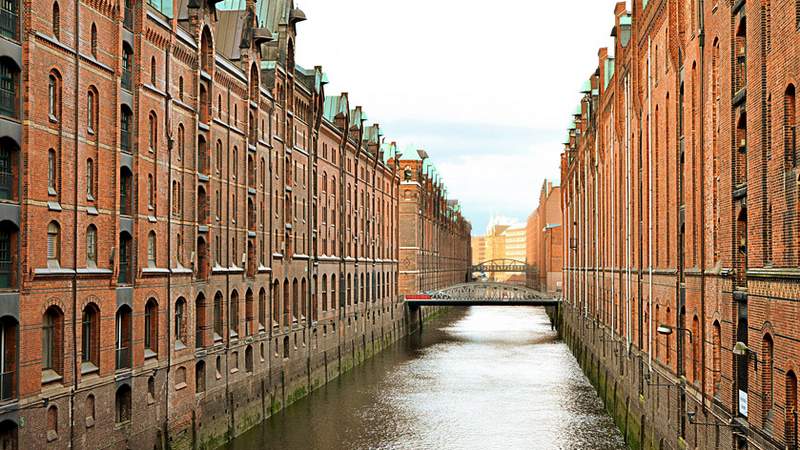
point(486, 87)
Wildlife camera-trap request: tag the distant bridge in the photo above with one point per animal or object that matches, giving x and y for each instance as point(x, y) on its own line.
point(483, 294)
point(503, 265)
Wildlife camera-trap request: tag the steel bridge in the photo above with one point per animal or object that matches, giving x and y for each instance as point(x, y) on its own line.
point(503, 265)
point(483, 294)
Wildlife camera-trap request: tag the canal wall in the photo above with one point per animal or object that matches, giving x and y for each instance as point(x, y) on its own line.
point(643, 398)
point(316, 358)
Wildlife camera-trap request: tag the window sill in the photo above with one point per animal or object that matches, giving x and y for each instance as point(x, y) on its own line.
point(88, 367)
point(148, 354)
point(89, 422)
point(52, 435)
point(50, 376)
point(234, 370)
point(180, 386)
point(179, 345)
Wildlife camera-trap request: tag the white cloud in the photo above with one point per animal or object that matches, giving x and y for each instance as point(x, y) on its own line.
point(465, 63)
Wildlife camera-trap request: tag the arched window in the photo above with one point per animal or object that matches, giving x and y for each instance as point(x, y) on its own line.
point(276, 303)
point(127, 67)
point(286, 347)
point(181, 141)
point(9, 350)
point(249, 314)
point(91, 111)
point(52, 344)
point(125, 253)
point(126, 129)
point(333, 300)
point(151, 328)
point(151, 249)
point(123, 337)
point(696, 341)
point(53, 245)
point(153, 77)
point(94, 40)
point(767, 389)
point(200, 320)
point(200, 377)
point(262, 308)
point(180, 321)
point(153, 132)
point(91, 246)
point(52, 423)
point(234, 313)
point(90, 338)
point(90, 179)
point(53, 96)
point(218, 316)
point(324, 292)
point(248, 359)
point(52, 172)
point(56, 21)
point(123, 404)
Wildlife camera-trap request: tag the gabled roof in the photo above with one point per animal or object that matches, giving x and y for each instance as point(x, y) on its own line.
point(334, 106)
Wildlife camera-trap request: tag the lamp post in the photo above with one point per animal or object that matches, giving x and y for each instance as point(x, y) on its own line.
point(667, 330)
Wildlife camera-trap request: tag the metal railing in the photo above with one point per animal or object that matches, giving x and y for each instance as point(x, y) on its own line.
point(127, 79)
point(8, 102)
point(125, 141)
point(9, 24)
point(6, 184)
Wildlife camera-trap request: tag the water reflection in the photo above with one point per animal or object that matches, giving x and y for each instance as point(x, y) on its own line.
point(481, 378)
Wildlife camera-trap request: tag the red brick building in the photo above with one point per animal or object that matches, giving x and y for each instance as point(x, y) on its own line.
point(213, 236)
point(544, 240)
point(435, 239)
point(680, 199)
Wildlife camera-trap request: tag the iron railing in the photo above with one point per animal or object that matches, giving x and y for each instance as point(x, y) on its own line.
point(6, 183)
point(8, 102)
point(125, 141)
point(127, 79)
point(8, 385)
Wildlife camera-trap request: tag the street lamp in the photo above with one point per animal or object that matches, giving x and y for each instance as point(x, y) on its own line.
point(741, 349)
point(666, 330)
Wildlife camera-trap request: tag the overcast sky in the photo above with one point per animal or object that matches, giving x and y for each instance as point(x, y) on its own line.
point(487, 87)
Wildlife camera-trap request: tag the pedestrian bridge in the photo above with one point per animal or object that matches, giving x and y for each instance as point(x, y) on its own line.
point(483, 294)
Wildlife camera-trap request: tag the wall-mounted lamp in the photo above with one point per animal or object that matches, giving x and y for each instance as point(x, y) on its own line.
point(666, 330)
point(741, 349)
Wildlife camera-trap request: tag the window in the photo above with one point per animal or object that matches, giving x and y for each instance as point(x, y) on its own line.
point(262, 308)
point(791, 409)
point(127, 67)
point(90, 337)
point(249, 315)
point(89, 410)
point(716, 363)
point(52, 172)
point(123, 404)
point(151, 327)
point(180, 88)
point(151, 192)
point(8, 365)
point(200, 320)
point(53, 97)
point(53, 245)
point(56, 21)
point(125, 251)
point(91, 116)
point(767, 355)
point(153, 132)
point(200, 377)
point(151, 249)
point(9, 74)
point(91, 246)
point(790, 130)
point(9, 19)
point(125, 129)
point(52, 343)
point(90, 179)
point(248, 359)
point(181, 141)
point(180, 321)
point(218, 316)
point(94, 41)
point(153, 71)
point(234, 314)
point(123, 337)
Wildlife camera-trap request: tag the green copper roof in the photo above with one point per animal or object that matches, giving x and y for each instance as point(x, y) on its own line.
point(335, 105)
point(609, 71)
point(165, 6)
point(587, 87)
point(625, 20)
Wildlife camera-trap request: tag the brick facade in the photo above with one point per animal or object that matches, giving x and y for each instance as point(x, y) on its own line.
point(211, 236)
point(544, 240)
point(679, 188)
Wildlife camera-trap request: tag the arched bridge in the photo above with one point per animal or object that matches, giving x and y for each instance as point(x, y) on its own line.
point(503, 265)
point(483, 294)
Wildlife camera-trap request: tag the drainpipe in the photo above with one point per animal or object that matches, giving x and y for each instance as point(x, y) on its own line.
point(596, 264)
point(167, 110)
point(75, 166)
point(649, 206)
point(627, 215)
point(701, 38)
point(613, 208)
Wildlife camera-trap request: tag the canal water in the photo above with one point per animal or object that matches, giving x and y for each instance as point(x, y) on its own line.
point(477, 378)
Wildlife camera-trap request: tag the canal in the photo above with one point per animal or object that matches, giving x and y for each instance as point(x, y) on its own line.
point(477, 378)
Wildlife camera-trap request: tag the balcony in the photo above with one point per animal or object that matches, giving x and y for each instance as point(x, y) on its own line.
point(9, 24)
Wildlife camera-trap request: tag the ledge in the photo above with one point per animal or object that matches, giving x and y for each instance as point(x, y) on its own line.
point(48, 272)
point(155, 271)
point(775, 273)
point(94, 271)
